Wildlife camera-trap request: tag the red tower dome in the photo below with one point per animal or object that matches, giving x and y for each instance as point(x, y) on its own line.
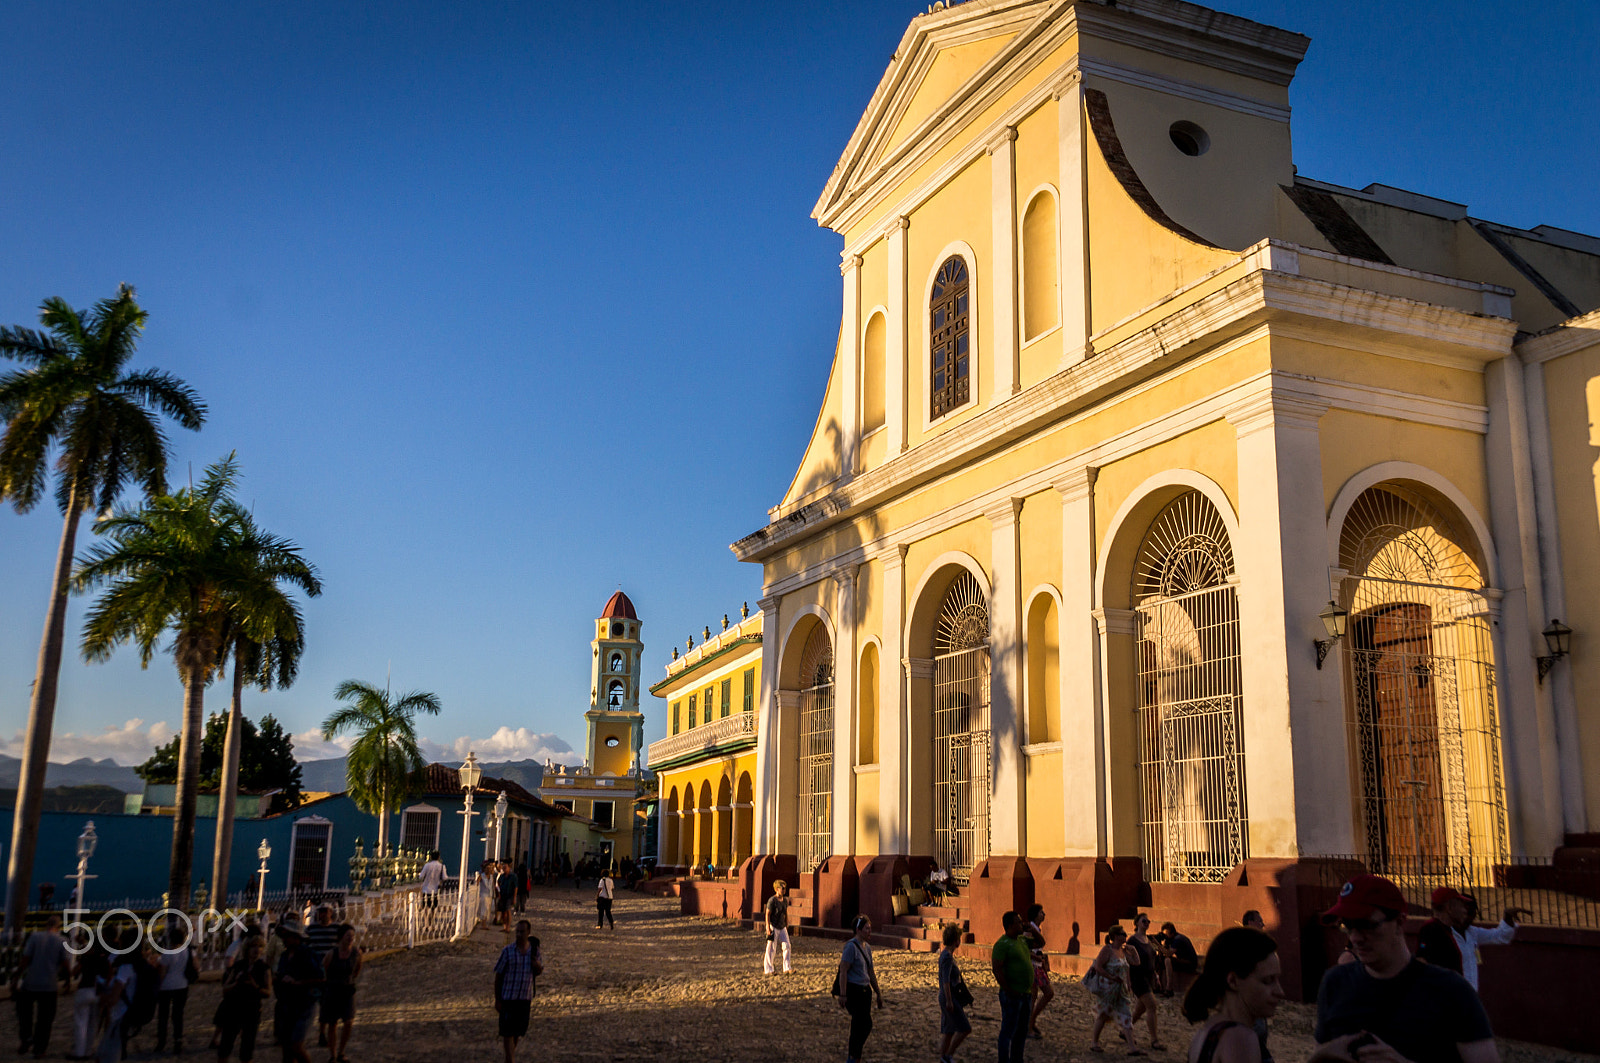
point(618, 606)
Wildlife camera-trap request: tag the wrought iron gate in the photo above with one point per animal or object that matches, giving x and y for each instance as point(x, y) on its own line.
point(1424, 726)
point(815, 824)
point(961, 742)
point(1191, 752)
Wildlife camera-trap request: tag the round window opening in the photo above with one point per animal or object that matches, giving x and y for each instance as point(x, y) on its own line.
point(1189, 138)
point(613, 742)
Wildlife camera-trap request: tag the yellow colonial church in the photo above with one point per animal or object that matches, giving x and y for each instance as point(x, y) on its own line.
point(1173, 521)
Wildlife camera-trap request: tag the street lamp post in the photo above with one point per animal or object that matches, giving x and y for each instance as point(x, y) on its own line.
point(86, 843)
point(469, 773)
point(499, 825)
point(264, 851)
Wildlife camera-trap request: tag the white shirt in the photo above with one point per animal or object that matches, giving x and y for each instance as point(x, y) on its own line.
point(172, 973)
point(606, 887)
point(432, 876)
point(1468, 944)
point(124, 976)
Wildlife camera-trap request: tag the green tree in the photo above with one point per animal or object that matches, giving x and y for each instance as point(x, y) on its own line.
point(384, 764)
point(266, 758)
point(75, 401)
point(187, 564)
point(265, 637)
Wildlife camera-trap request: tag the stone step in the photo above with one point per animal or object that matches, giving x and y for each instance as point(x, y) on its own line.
point(951, 912)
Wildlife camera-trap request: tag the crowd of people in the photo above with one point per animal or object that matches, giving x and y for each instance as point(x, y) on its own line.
point(1381, 1005)
point(129, 984)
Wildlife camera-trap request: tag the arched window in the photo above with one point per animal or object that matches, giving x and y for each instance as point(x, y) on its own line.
point(815, 822)
point(1424, 727)
point(1191, 747)
point(961, 768)
point(614, 693)
point(950, 341)
point(1041, 300)
point(867, 717)
point(873, 369)
point(1044, 671)
point(616, 662)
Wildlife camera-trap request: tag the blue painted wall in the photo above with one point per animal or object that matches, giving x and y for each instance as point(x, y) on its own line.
point(134, 852)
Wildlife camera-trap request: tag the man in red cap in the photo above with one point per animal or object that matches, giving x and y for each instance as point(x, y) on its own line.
point(1450, 940)
point(1388, 1006)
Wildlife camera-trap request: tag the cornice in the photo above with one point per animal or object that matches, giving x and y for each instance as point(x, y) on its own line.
point(1263, 297)
point(1566, 338)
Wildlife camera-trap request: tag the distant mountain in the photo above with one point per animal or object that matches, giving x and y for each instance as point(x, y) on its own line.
point(80, 772)
point(93, 800)
point(329, 775)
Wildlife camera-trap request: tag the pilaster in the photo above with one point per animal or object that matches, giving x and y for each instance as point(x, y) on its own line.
point(1294, 733)
point(892, 745)
point(763, 819)
point(1003, 206)
point(1533, 760)
point(894, 341)
point(1074, 222)
point(1082, 739)
point(1117, 828)
point(1007, 831)
point(844, 710)
point(850, 368)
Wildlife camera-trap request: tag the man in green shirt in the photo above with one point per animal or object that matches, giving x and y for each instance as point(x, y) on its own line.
point(1013, 973)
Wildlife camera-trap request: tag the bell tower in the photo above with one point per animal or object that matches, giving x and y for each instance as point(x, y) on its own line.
point(616, 726)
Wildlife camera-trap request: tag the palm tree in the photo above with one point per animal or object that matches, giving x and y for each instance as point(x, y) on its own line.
point(265, 638)
point(75, 401)
point(384, 760)
point(190, 564)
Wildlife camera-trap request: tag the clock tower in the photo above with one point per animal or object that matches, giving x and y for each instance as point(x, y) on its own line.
point(616, 726)
point(604, 790)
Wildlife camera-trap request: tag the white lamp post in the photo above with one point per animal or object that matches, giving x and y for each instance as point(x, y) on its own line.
point(499, 825)
point(469, 773)
point(264, 851)
point(86, 843)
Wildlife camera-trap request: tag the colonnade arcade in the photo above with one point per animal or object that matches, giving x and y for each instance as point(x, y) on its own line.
point(704, 827)
point(1145, 699)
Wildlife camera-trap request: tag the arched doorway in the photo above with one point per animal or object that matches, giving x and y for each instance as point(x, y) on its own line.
point(1193, 820)
point(673, 831)
point(814, 822)
point(1424, 726)
point(743, 821)
point(961, 742)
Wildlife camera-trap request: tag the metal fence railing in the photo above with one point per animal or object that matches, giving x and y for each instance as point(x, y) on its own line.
point(1565, 894)
point(398, 918)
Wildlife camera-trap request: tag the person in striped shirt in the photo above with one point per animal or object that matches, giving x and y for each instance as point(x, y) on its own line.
point(514, 973)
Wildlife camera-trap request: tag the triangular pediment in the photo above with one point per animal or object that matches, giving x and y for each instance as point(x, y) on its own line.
point(944, 58)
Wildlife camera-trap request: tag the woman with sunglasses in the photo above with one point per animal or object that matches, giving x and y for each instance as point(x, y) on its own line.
point(1237, 990)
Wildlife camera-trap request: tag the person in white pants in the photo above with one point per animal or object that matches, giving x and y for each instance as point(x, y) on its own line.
point(777, 919)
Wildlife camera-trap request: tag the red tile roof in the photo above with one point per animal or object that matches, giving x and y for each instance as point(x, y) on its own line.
point(618, 606)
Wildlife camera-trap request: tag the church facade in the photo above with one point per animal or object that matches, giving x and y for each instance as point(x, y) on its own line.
point(605, 787)
point(1172, 521)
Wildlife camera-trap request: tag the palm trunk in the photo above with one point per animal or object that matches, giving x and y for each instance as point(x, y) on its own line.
point(383, 820)
point(182, 868)
point(41, 721)
point(228, 799)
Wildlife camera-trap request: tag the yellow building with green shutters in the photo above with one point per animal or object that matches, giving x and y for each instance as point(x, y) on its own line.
point(705, 766)
point(1175, 525)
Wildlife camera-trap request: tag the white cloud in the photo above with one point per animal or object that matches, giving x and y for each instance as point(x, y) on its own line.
point(504, 744)
point(128, 743)
point(309, 745)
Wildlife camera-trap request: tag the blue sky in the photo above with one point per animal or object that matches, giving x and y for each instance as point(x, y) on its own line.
point(505, 305)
